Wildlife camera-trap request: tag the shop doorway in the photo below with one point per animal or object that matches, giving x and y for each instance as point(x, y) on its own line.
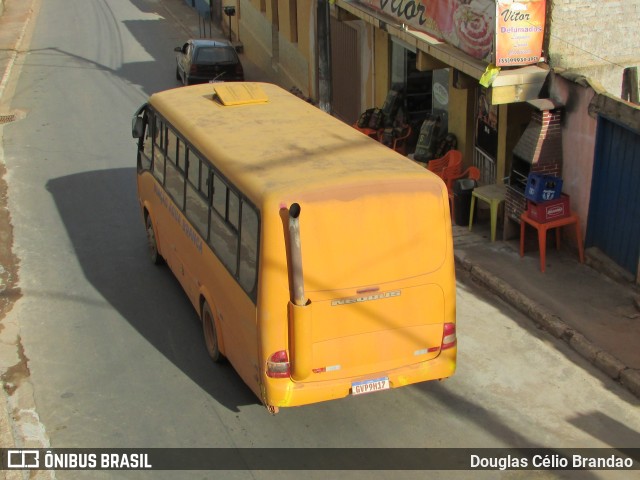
point(345, 72)
point(417, 85)
point(486, 136)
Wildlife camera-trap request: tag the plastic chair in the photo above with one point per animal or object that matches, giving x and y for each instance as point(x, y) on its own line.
point(450, 176)
point(369, 132)
point(397, 143)
point(453, 159)
point(494, 196)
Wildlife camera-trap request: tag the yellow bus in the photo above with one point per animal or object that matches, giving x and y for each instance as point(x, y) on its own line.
point(319, 261)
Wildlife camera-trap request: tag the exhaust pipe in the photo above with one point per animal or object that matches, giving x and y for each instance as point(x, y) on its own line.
point(297, 278)
point(299, 306)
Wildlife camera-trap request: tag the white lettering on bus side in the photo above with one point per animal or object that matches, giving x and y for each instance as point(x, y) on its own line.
point(175, 214)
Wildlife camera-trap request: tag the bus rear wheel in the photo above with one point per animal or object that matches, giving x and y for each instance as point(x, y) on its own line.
point(155, 256)
point(210, 334)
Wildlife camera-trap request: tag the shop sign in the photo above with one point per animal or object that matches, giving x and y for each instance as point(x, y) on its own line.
point(519, 32)
point(466, 24)
point(470, 25)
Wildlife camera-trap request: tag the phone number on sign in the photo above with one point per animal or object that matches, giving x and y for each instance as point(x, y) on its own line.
point(506, 61)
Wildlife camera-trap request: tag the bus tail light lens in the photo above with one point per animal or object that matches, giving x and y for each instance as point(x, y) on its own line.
point(449, 336)
point(278, 365)
point(194, 69)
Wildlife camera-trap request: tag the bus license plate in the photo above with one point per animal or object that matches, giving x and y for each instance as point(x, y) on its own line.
point(368, 386)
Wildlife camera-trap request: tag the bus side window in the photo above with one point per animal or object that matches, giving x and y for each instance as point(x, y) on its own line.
point(159, 149)
point(233, 210)
point(224, 242)
point(197, 210)
point(193, 169)
point(181, 155)
point(219, 196)
point(197, 199)
point(174, 178)
point(222, 238)
point(206, 182)
point(248, 248)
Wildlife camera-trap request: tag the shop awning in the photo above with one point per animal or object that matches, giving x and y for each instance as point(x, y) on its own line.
point(511, 85)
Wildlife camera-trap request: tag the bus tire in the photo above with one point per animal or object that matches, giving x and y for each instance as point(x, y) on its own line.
point(155, 256)
point(210, 334)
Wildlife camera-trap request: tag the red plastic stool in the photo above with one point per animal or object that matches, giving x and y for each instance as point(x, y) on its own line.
point(542, 234)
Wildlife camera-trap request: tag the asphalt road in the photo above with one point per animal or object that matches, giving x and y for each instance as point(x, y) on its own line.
point(113, 349)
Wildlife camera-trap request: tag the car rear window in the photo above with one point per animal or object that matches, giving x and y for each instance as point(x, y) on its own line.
point(215, 55)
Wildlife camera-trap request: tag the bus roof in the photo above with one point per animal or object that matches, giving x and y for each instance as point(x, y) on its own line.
point(283, 145)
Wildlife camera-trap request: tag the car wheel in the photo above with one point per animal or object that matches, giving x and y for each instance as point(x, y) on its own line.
point(210, 334)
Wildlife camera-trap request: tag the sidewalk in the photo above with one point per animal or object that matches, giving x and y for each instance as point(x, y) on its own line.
point(596, 316)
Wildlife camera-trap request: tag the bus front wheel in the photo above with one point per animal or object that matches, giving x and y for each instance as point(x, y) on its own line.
point(210, 334)
point(155, 256)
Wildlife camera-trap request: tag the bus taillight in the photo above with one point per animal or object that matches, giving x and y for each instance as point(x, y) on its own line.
point(278, 365)
point(448, 336)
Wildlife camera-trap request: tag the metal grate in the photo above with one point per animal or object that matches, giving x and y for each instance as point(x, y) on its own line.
point(486, 165)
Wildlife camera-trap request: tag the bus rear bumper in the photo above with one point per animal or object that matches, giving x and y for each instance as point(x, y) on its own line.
point(287, 393)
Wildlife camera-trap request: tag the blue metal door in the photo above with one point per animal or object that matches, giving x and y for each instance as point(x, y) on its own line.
point(614, 210)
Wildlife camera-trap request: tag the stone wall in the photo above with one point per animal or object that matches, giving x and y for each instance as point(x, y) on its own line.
point(596, 39)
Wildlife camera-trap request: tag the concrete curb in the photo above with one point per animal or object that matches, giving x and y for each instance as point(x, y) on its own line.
point(544, 319)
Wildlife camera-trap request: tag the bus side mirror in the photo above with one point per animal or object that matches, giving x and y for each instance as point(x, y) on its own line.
point(137, 128)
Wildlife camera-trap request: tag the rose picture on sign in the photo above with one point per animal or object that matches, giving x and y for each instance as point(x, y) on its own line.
point(474, 26)
point(466, 24)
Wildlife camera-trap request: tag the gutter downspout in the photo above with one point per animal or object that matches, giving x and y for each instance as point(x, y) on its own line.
point(324, 56)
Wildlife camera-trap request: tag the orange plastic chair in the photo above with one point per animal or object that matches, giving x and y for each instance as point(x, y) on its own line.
point(399, 144)
point(369, 132)
point(449, 177)
point(453, 159)
point(472, 172)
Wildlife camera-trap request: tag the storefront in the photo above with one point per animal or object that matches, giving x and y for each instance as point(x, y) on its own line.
point(440, 64)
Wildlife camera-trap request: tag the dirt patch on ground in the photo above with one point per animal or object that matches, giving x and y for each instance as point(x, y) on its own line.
point(9, 291)
point(15, 374)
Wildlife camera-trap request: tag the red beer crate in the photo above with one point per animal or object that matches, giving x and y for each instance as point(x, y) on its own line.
point(543, 212)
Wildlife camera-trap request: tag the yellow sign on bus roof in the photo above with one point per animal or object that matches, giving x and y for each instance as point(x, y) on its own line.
point(240, 93)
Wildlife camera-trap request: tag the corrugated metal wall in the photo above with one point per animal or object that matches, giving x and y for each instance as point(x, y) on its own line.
point(345, 72)
point(614, 210)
